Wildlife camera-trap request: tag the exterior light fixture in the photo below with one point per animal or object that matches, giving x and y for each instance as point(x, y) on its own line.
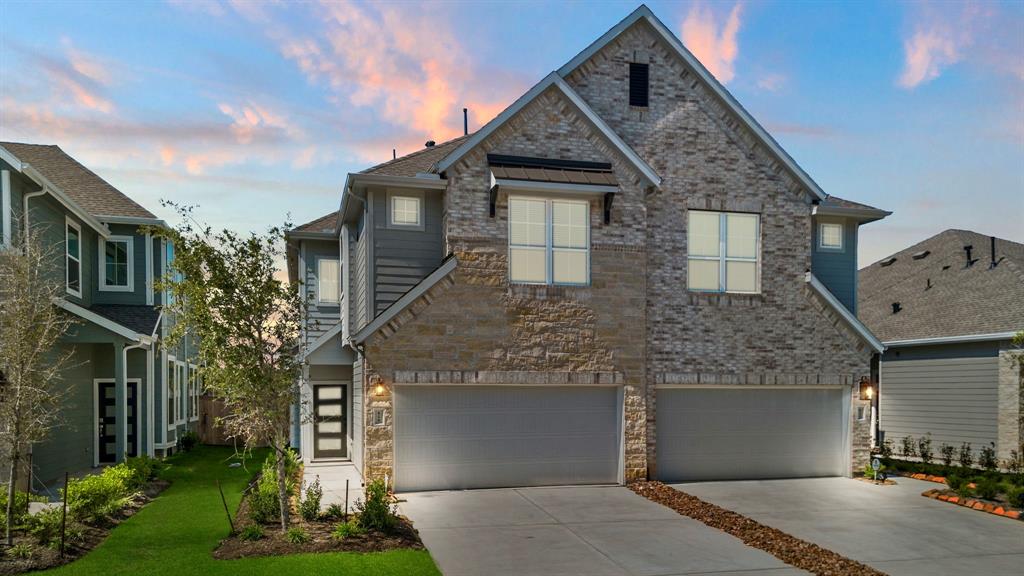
point(867, 389)
point(378, 389)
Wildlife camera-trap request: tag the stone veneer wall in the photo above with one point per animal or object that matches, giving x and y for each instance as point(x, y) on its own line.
point(1010, 421)
point(708, 160)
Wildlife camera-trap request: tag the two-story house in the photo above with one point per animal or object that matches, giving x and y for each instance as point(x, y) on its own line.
point(620, 276)
point(126, 394)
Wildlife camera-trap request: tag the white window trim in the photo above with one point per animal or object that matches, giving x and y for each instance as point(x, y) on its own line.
point(6, 208)
point(193, 396)
point(168, 405)
point(102, 264)
point(69, 223)
point(419, 196)
point(723, 259)
point(548, 248)
point(182, 386)
point(821, 236)
point(319, 279)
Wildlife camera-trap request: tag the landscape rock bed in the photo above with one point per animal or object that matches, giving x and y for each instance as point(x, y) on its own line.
point(973, 503)
point(790, 549)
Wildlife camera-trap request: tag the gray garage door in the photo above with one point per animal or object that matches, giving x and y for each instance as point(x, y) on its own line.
point(745, 433)
point(455, 437)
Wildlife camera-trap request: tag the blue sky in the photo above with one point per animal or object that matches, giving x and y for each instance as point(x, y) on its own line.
point(257, 109)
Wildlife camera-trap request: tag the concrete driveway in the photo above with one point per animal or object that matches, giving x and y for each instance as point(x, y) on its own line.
point(591, 530)
point(892, 528)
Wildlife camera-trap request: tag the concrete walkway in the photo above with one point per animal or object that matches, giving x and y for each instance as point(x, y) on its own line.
point(332, 479)
point(570, 531)
point(892, 528)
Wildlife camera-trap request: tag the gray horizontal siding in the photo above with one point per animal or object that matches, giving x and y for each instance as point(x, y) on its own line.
point(955, 399)
point(837, 270)
point(402, 258)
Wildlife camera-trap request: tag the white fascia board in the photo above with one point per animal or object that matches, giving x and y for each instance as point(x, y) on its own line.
point(852, 320)
point(11, 159)
point(323, 339)
point(63, 198)
point(406, 299)
point(137, 220)
point(554, 187)
point(552, 79)
point(864, 215)
point(733, 104)
point(102, 322)
point(952, 339)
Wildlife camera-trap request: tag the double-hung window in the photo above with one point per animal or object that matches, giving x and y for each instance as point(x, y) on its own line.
point(327, 274)
point(723, 252)
point(116, 264)
point(549, 241)
point(171, 413)
point(73, 256)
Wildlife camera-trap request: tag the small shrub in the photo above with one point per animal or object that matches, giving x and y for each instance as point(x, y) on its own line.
point(21, 500)
point(251, 533)
point(96, 498)
point(20, 551)
point(188, 441)
point(907, 447)
point(297, 535)
point(869, 472)
point(924, 448)
point(966, 457)
point(1015, 466)
point(291, 462)
point(955, 482)
point(347, 529)
point(965, 490)
point(947, 451)
point(1015, 496)
point(886, 449)
point(987, 458)
point(987, 488)
point(264, 503)
point(334, 512)
point(377, 512)
point(309, 507)
point(45, 528)
point(143, 469)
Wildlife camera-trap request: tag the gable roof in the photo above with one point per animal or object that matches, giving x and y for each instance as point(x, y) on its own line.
point(940, 296)
point(323, 224)
point(83, 186)
point(418, 162)
point(836, 206)
point(552, 80)
point(644, 13)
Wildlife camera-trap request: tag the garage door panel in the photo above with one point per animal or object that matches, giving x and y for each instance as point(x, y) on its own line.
point(454, 437)
point(720, 434)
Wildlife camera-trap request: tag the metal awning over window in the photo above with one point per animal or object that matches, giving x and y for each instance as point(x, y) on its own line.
point(552, 175)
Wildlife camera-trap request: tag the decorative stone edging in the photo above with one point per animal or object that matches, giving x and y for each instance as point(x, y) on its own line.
point(997, 509)
point(925, 477)
point(790, 549)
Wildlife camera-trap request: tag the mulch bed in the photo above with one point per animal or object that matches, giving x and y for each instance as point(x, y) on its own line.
point(789, 549)
point(870, 480)
point(997, 508)
point(44, 557)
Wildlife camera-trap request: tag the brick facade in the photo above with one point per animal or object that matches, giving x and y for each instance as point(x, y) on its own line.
point(636, 323)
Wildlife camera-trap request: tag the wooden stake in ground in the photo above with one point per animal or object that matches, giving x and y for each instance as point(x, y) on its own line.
point(64, 514)
point(225, 503)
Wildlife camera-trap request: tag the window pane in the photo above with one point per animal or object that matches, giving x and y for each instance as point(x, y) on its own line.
point(832, 235)
point(703, 239)
point(327, 277)
point(703, 274)
point(405, 210)
point(74, 280)
point(741, 276)
point(72, 243)
point(527, 222)
point(741, 240)
point(570, 267)
point(116, 259)
point(569, 224)
point(528, 265)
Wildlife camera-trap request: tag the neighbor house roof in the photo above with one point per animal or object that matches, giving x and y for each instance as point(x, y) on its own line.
point(323, 224)
point(940, 295)
point(83, 186)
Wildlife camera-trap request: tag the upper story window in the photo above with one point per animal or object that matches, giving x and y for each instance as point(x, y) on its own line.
point(549, 241)
point(117, 264)
point(639, 75)
point(405, 210)
point(830, 236)
point(73, 253)
point(723, 252)
point(327, 274)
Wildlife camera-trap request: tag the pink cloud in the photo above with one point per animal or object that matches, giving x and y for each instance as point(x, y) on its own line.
point(716, 49)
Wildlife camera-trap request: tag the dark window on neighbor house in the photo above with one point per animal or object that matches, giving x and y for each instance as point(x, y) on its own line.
point(638, 85)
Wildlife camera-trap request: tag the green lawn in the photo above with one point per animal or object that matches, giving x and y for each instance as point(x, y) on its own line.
point(175, 533)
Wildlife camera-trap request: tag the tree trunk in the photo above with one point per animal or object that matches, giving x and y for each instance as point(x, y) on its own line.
point(282, 485)
point(11, 491)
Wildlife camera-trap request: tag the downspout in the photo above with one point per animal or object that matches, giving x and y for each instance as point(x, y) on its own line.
point(151, 388)
point(24, 200)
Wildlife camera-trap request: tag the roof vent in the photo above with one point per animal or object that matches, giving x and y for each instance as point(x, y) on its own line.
point(929, 285)
point(967, 250)
point(896, 307)
point(921, 255)
point(946, 267)
point(430, 144)
point(887, 262)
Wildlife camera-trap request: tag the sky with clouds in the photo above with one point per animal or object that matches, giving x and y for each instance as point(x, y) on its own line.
point(254, 110)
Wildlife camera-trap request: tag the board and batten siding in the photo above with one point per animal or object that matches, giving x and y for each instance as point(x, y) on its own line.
point(360, 257)
point(837, 269)
point(404, 257)
point(358, 415)
point(951, 392)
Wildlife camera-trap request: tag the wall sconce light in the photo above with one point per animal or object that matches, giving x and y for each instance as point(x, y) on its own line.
point(378, 390)
point(867, 389)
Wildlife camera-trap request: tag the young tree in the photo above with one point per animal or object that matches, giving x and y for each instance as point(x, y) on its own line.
point(246, 322)
point(30, 365)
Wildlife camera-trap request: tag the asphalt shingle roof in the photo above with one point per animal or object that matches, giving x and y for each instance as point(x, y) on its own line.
point(416, 162)
point(939, 294)
point(837, 202)
point(88, 190)
point(141, 319)
point(324, 223)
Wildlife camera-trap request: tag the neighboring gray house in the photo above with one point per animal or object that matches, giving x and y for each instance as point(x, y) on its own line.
point(946, 309)
point(616, 278)
point(126, 394)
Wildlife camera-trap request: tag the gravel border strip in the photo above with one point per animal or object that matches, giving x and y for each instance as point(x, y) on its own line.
point(790, 549)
